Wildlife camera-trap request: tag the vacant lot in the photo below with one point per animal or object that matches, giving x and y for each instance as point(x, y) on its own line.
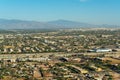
point(112, 60)
point(115, 76)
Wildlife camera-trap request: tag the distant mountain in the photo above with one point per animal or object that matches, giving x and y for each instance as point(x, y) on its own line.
point(20, 24)
point(58, 24)
point(71, 24)
point(74, 24)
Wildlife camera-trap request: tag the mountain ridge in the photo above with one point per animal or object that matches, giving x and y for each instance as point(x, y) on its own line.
point(57, 24)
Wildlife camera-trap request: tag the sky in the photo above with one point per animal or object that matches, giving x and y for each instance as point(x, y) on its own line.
point(88, 11)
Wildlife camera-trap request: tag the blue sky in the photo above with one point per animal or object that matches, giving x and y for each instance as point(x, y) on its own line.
point(89, 11)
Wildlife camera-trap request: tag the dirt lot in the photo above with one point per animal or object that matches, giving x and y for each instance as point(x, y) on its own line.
point(112, 60)
point(115, 76)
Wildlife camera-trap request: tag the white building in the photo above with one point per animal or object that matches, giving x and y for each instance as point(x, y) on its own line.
point(101, 50)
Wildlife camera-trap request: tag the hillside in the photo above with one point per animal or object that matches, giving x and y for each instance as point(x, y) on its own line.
point(58, 24)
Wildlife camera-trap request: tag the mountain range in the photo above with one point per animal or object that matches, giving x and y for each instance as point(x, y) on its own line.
point(58, 24)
